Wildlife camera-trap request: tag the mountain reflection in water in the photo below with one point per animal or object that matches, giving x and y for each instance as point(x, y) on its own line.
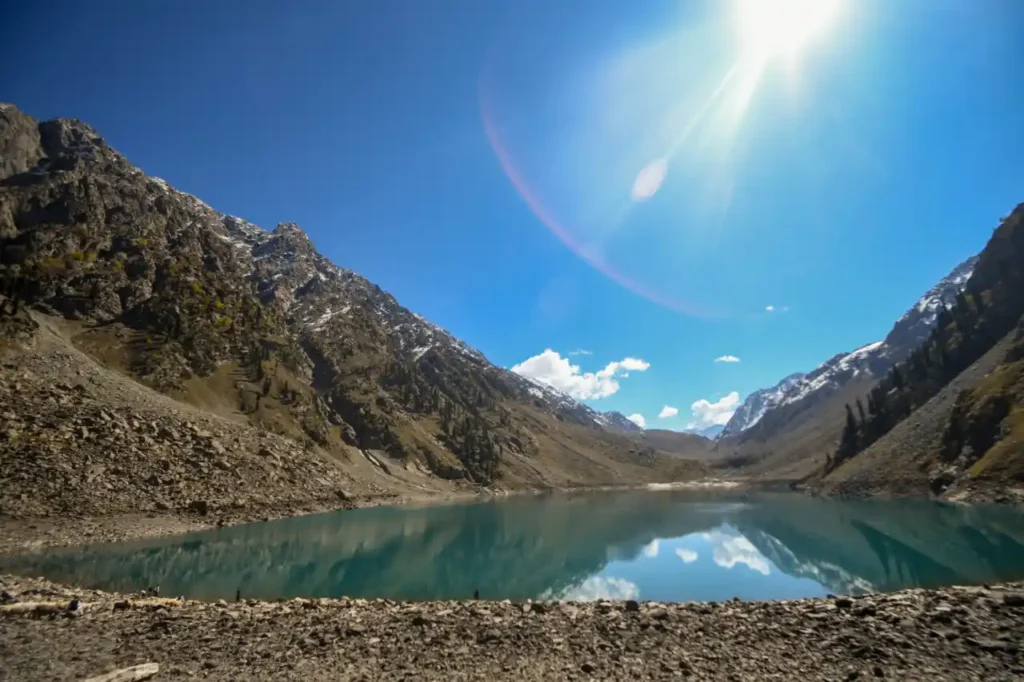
point(624, 545)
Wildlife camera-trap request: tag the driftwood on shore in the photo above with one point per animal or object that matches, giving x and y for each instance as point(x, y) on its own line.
point(136, 672)
point(34, 608)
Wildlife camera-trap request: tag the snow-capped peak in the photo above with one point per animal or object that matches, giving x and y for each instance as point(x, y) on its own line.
point(758, 403)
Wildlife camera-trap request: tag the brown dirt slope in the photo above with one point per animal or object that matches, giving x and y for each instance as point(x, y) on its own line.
point(688, 445)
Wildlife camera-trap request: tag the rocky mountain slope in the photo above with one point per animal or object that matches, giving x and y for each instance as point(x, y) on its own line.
point(948, 419)
point(908, 460)
point(260, 329)
point(783, 402)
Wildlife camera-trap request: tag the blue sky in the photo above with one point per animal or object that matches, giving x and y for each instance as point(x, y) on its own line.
point(485, 161)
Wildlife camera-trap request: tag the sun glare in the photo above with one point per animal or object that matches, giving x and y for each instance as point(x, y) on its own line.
point(771, 27)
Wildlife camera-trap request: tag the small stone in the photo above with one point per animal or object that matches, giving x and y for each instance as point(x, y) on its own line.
point(632, 605)
point(588, 668)
point(843, 602)
point(1014, 599)
point(993, 645)
point(537, 607)
point(355, 630)
point(658, 614)
point(489, 635)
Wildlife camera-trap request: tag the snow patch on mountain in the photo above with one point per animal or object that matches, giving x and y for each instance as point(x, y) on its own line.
point(618, 421)
point(759, 403)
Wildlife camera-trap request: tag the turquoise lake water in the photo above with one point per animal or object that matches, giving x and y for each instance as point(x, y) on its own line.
point(666, 546)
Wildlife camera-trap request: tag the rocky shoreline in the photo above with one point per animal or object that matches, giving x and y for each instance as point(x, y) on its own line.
point(957, 633)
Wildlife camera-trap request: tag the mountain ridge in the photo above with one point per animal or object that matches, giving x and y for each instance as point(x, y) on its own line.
point(258, 325)
point(803, 390)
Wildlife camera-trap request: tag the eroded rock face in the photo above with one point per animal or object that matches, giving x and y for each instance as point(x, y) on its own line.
point(20, 146)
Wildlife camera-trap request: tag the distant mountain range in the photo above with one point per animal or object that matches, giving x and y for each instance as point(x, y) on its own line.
point(710, 432)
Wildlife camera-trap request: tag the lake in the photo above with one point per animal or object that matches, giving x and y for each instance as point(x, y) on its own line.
point(663, 545)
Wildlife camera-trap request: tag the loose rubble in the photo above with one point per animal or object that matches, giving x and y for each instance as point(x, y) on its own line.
point(956, 633)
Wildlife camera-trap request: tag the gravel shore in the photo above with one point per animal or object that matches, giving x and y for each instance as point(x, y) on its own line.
point(949, 634)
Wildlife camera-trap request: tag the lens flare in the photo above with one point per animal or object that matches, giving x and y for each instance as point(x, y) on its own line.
point(649, 179)
point(564, 234)
point(660, 119)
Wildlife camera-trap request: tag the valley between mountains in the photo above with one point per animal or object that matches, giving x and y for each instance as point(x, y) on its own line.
point(167, 366)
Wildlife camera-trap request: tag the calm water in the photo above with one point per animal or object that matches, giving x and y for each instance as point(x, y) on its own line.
point(667, 546)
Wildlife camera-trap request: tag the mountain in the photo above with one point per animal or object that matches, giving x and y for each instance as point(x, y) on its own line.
point(710, 432)
point(257, 327)
point(680, 444)
point(758, 403)
point(766, 411)
point(949, 419)
point(617, 420)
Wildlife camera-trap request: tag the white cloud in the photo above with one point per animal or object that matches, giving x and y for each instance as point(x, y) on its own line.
point(667, 412)
point(552, 369)
point(727, 358)
point(637, 419)
point(651, 550)
point(770, 308)
point(707, 414)
point(648, 181)
point(597, 587)
point(730, 548)
point(633, 365)
point(687, 555)
point(580, 351)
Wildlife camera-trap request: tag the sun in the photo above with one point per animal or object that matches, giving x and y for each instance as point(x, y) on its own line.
point(768, 28)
